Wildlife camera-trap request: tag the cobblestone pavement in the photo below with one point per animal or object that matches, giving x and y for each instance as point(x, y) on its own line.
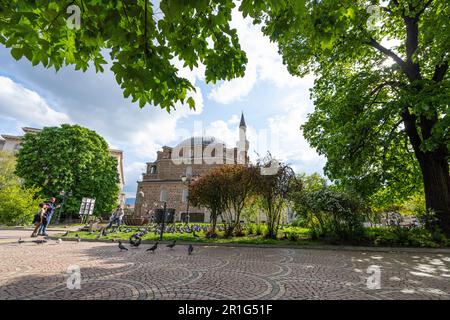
point(32, 271)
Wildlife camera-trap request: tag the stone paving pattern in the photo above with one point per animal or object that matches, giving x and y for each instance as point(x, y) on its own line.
point(32, 271)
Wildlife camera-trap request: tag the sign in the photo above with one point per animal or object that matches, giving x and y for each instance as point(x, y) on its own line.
point(87, 206)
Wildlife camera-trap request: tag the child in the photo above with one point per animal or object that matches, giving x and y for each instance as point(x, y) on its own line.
point(39, 218)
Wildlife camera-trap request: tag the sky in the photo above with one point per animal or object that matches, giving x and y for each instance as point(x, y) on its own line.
point(275, 105)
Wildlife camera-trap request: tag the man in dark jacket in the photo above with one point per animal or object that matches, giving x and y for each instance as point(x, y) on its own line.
point(50, 209)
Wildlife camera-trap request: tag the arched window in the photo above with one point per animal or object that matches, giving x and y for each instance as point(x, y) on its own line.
point(163, 195)
point(184, 195)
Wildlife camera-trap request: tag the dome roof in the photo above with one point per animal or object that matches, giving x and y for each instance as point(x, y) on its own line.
point(199, 141)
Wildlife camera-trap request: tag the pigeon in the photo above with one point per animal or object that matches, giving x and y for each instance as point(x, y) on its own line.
point(135, 242)
point(59, 241)
point(122, 247)
point(172, 244)
point(20, 241)
point(66, 234)
point(152, 249)
point(195, 235)
point(190, 249)
point(40, 241)
point(78, 237)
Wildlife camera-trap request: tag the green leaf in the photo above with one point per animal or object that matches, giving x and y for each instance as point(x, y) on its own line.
point(16, 53)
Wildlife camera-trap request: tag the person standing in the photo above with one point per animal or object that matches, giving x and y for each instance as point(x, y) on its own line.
point(39, 218)
point(116, 217)
point(50, 210)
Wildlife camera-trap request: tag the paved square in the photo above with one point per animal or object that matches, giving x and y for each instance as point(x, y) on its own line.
point(32, 271)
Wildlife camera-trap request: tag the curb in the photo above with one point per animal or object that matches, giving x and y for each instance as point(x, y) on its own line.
point(31, 229)
point(275, 246)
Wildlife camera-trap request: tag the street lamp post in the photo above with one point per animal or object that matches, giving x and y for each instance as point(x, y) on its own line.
point(141, 195)
point(188, 178)
point(163, 220)
point(163, 199)
point(63, 194)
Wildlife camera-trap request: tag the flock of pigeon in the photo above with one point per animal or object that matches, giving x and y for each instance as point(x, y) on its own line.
point(135, 242)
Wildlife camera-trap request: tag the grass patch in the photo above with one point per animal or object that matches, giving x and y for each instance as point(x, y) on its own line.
point(283, 236)
point(288, 235)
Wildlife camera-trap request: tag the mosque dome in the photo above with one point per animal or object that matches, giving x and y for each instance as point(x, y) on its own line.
point(199, 141)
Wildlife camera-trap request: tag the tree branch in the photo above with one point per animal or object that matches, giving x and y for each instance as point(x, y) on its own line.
point(411, 130)
point(440, 71)
point(426, 5)
point(388, 53)
point(397, 84)
point(389, 137)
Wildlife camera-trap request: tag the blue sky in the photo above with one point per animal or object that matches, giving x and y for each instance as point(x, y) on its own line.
point(275, 104)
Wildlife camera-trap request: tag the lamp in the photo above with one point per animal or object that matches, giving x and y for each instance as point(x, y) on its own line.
point(163, 198)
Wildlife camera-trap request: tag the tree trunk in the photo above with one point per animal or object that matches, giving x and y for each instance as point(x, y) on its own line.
point(436, 178)
point(435, 170)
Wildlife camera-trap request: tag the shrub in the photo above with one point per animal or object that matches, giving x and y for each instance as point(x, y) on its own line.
point(250, 229)
point(18, 204)
point(332, 214)
point(259, 230)
point(400, 236)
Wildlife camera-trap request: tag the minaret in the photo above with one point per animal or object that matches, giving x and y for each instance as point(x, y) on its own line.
point(243, 143)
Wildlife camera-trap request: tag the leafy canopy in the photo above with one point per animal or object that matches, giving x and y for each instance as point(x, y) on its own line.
point(143, 41)
point(71, 159)
point(382, 78)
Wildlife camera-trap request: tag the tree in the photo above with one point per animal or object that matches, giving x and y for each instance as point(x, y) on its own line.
point(73, 159)
point(376, 106)
point(236, 185)
point(302, 185)
point(17, 203)
point(144, 42)
point(273, 189)
point(206, 192)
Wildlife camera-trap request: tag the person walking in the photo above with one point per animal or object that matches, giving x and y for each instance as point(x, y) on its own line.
point(116, 217)
point(50, 210)
point(39, 218)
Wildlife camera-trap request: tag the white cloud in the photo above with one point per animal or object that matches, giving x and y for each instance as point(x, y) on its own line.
point(290, 144)
point(133, 171)
point(235, 119)
point(233, 90)
point(264, 63)
point(27, 106)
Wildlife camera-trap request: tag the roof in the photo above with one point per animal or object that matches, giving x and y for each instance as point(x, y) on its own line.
point(29, 129)
point(199, 140)
point(6, 137)
point(242, 124)
point(115, 151)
